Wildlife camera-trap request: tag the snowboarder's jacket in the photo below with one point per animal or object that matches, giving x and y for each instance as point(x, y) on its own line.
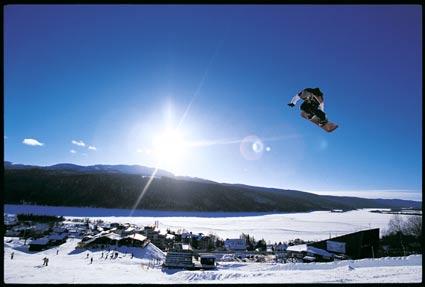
point(310, 95)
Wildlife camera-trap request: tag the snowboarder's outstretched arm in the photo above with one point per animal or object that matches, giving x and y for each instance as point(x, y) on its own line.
point(294, 100)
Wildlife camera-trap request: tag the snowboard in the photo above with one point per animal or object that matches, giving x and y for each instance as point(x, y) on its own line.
point(329, 126)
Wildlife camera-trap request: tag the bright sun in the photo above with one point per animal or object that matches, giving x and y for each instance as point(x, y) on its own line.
point(169, 148)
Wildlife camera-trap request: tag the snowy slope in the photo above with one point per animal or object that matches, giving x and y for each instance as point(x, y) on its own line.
point(69, 266)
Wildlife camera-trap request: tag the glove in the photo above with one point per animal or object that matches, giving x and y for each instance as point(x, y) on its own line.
point(291, 105)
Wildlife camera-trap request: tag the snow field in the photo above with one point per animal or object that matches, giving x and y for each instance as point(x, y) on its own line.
point(73, 266)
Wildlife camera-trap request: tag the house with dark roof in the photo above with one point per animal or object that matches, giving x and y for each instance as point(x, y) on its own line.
point(57, 238)
point(103, 238)
point(134, 240)
point(39, 244)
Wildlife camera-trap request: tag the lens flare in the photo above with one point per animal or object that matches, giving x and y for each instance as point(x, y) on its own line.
point(251, 147)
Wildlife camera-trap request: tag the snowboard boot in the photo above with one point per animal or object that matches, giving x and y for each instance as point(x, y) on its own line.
point(323, 122)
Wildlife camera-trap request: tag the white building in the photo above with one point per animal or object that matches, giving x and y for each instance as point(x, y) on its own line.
point(303, 250)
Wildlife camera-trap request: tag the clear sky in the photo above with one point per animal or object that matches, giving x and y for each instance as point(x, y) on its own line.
point(202, 91)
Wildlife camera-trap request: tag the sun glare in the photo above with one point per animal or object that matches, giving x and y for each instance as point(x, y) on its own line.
point(169, 148)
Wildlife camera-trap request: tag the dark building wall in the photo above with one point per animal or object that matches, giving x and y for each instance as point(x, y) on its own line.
point(361, 244)
point(132, 242)
point(101, 241)
point(37, 247)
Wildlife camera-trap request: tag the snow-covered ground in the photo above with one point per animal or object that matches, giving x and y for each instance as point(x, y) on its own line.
point(278, 227)
point(71, 266)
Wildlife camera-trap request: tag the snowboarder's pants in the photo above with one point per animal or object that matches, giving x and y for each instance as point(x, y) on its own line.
point(311, 108)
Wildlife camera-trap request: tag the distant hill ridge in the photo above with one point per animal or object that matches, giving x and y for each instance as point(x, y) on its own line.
point(119, 186)
point(130, 169)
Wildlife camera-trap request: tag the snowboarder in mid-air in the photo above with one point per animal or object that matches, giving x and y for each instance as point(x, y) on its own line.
point(313, 107)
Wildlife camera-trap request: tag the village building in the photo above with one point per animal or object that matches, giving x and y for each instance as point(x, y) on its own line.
point(74, 233)
point(151, 232)
point(356, 245)
point(39, 244)
point(76, 230)
point(59, 229)
point(205, 242)
point(17, 230)
point(208, 262)
point(170, 237)
point(157, 237)
point(48, 241)
point(308, 253)
point(134, 240)
point(41, 227)
point(57, 238)
point(10, 220)
point(186, 237)
point(235, 244)
point(105, 238)
point(129, 230)
point(99, 240)
point(280, 247)
point(180, 257)
point(115, 225)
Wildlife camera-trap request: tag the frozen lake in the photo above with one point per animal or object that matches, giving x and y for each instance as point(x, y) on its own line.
point(273, 227)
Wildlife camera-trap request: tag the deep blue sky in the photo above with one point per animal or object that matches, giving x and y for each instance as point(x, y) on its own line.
point(114, 77)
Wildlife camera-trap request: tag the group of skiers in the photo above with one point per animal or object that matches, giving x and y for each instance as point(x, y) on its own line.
point(113, 255)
